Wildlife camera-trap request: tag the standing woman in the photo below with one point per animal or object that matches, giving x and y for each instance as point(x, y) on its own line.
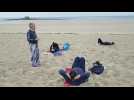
point(33, 42)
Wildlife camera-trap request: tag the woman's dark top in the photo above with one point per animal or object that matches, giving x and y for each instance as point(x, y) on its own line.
point(31, 37)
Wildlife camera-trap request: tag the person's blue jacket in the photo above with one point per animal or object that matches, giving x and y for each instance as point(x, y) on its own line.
point(79, 71)
point(31, 36)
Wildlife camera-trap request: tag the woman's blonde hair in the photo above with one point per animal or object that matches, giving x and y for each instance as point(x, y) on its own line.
point(31, 24)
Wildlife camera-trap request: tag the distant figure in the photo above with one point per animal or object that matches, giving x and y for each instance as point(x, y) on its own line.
point(54, 47)
point(97, 68)
point(33, 42)
point(77, 74)
point(105, 43)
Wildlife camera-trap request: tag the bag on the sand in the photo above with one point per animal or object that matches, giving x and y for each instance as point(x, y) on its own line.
point(66, 46)
point(97, 69)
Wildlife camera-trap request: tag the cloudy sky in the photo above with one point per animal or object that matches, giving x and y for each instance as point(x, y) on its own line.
point(62, 14)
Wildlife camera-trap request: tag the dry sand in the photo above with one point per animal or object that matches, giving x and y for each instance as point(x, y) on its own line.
point(16, 70)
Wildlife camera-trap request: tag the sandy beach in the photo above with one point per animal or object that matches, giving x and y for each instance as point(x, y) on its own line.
point(15, 65)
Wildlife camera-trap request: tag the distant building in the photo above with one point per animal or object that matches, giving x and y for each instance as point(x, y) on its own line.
point(27, 18)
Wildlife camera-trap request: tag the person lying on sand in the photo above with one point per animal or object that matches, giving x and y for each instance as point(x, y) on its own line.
point(33, 42)
point(105, 43)
point(76, 75)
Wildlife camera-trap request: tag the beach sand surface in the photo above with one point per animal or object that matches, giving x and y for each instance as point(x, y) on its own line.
point(15, 65)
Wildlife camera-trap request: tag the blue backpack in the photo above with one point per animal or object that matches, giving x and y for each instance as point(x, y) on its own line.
point(66, 46)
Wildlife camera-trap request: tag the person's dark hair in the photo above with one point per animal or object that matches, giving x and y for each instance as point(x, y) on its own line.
point(99, 40)
point(97, 62)
point(72, 74)
point(55, 45)
point(113, 43)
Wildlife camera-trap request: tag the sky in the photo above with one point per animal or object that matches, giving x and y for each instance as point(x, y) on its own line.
point(61, 14)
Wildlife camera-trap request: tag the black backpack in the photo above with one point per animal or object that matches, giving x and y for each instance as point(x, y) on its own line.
point(97, 68)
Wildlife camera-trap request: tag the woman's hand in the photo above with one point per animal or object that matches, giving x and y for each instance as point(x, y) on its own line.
point(77, 77)
point(37, 39)
point(68, 75)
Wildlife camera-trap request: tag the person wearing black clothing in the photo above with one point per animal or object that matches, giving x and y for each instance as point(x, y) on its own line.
point(104, 43)
point(54, 47)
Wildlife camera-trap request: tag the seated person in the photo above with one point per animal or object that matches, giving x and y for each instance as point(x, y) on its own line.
point(54, 47)
point(77, 75)
point(105, 43)
point(97, 68)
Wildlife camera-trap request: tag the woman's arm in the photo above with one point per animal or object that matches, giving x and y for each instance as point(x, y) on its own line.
point(28, 36)
point(50, 48)
point(77, 77)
